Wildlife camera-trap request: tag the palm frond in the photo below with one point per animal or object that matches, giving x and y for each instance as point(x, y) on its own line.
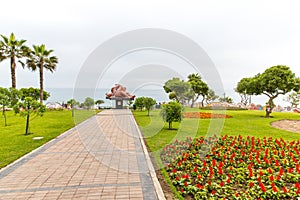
point(5, 39)
point(23, 64)
point(12, 37)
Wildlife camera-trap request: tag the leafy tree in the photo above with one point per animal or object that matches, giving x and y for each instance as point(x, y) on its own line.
point(13, 49)
point(272, 82)
point(242, 87)
point(139, 103)
point(211, 96)
point(89, 102)
point(29, 107)
point(293, 98)
point(171, 112)
point(73, 103)
point(98, 102)
point(8, 98)
point(226, 99)
point(199, 88)
point(179, 89)
point(40, 59)
point(32, 92)
point(149, 103)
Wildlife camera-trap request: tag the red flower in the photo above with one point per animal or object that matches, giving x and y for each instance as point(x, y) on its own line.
point(281, 171)
point(274, 188)
point(174, 170)
point(270, 171)
point(195, 169)
point(199, 186)
point(259, 179)
point(177, 178)
point(262, 187)
point(251, 184)
point(271, 178)
point(282, 153)
point(290, 170)
point(261, 173)
point(214, 162)
point(236, 194)
point(284, 189)
point(213, 192)
point(186, 184)
point(222, 184)
point(228, 180)
point(199, 176)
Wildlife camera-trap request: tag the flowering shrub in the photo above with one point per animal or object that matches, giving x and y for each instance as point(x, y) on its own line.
point(204, 115)
point(234, 167)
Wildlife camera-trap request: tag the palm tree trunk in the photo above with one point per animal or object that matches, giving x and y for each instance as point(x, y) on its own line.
point(41, 84)
point(13, 71)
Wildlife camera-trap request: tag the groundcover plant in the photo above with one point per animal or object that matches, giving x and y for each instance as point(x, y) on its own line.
point(234, 167)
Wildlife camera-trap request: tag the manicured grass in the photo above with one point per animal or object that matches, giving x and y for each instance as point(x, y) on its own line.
point(13, 142)
point(243, 122)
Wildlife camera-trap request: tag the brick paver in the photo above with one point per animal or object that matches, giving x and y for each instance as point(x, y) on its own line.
point(102, 158)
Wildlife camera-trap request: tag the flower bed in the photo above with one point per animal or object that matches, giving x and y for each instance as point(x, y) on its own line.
point(234, 168)
point(204, 115)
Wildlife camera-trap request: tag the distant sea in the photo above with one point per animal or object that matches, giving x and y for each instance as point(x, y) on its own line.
point(62, 95)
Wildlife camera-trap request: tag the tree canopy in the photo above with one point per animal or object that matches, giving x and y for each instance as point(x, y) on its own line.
point(40, 59)
point(8, 98)
point(32, 92)
point(199, 88)
point(171, 112)
point(89, 102)
point(178, 89)
point(13, 49)
point(139, 102)
point(29, 107)
point(272, 82)
point(149, 103)
point(243, 89)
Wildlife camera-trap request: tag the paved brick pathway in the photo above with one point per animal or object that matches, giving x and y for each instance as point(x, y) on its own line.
point(102, 158)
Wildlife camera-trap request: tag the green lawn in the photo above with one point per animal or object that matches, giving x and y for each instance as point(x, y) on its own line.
point(13, 142)
point(243, 123)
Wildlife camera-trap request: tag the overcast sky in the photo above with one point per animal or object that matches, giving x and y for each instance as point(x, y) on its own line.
point(242, 38)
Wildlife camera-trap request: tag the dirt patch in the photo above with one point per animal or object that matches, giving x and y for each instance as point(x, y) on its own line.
point(287, 125)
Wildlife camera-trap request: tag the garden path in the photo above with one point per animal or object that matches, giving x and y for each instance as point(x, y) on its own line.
point(101, 158)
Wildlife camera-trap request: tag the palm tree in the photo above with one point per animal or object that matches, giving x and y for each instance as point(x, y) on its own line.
point(13, 49)
point(39, 59)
